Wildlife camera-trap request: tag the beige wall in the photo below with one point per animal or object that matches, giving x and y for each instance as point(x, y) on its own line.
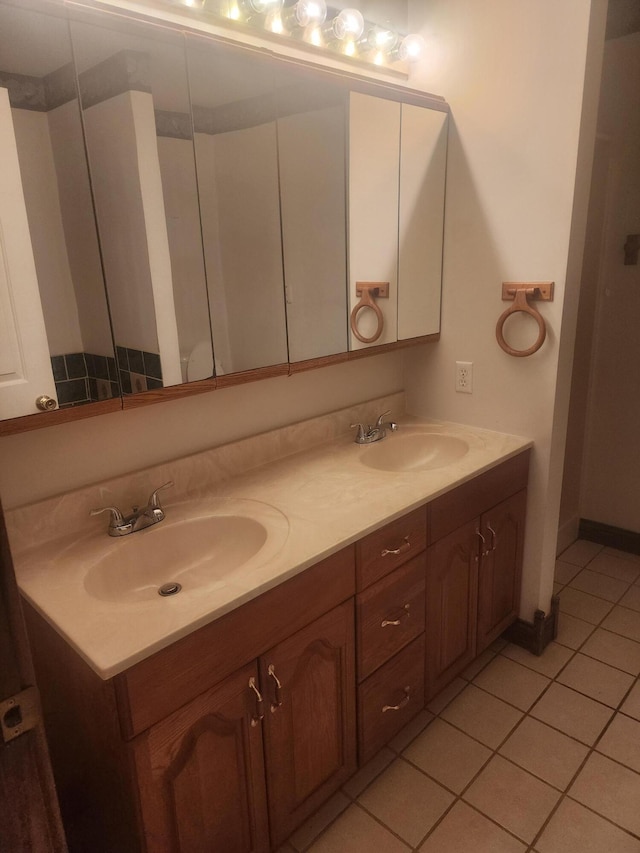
point(514, 74)
point(610, 488)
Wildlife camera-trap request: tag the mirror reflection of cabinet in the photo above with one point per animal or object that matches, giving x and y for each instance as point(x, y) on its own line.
point(37, 73)
point(397, 164)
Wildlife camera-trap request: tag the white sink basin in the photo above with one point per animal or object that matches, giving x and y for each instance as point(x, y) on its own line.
point(414, 451)
point(200, 553)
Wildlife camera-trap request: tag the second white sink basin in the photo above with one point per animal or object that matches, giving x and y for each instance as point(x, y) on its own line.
point(200, 553)
point(414, 450)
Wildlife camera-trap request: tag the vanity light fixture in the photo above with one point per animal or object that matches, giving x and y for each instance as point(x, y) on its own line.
point(303, 14)
point(348, 25)
point(252, 10)
point(411, 49)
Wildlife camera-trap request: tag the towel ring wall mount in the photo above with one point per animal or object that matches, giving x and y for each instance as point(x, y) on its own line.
point(522, 294)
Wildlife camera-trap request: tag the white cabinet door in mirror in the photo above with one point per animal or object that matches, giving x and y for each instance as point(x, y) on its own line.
point(374, 154)
point(423, 156)
point(25, 365)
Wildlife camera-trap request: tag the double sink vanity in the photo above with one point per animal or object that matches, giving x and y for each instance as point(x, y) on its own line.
point(327, 590)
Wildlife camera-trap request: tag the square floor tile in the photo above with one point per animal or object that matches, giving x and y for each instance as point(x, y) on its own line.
point(610, 790)
point(565, 572)
point(482, 716)
point(581, 552)
point(631, 704)
point(370, 771)
point(545, 752)
point(572, 632)
point(464, 829)
point(583, 606)
point(574, 829)
point(613, 649)
point(597, 680)
point(623, 621)
point(549, 663)
point(623, 555)
point(411, 730)
point(602, 586)
point(610, 564)
point(512, 682)
point(631, 598)
point(440, 702)
point(572, 713)
point(357, 832)
point(512, 797)
point(447, 755)
point(406, 801)
point(621, 741)
point(319, 821)
point(478, 664)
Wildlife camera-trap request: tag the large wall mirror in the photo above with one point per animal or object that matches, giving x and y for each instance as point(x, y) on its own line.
point(199, 212)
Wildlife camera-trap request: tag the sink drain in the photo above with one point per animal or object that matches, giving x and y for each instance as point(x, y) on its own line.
point(171, 588)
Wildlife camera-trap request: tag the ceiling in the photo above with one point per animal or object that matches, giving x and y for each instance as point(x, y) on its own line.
point(623, 18)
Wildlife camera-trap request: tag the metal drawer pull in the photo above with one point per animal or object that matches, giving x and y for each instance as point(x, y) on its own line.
point(385, 622)
point(277, 690)
point(255, 721)
point(406, 545)
point(494, 538)
point(484, 542)
point(401, 704)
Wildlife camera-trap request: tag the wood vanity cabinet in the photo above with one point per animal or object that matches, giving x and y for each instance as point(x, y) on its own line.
point(474, 568)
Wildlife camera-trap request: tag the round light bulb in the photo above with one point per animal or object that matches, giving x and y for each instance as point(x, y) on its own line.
point(382, 40)
point(348, 24)
point(263, 7)
point(412, 48)
point(308, 12)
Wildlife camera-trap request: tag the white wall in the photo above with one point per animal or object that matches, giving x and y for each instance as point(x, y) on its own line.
point(611, 474)
point(514, 75)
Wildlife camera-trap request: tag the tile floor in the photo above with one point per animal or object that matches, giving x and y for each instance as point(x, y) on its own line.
point(520, 753)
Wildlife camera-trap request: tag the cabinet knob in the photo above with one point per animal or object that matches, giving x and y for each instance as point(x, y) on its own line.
point(46, 404)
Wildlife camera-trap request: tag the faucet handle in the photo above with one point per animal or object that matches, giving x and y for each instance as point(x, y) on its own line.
point(362, 431)
point(154, 501)
point(116, 515)
point(382, 417)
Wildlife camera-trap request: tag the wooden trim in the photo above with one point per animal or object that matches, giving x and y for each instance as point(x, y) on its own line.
point(394, 345)
point(171, 392)
point(59, 416)
point(535, 636)
point(607, 534)
point(321, 361)
point(245, 376)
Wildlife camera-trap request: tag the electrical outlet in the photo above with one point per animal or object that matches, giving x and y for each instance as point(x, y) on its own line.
point(464, 377)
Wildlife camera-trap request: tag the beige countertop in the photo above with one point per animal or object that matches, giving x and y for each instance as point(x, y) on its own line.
point(312, 503)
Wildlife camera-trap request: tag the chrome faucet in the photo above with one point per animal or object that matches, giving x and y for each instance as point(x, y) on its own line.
point(369, 434)
point(138, 519)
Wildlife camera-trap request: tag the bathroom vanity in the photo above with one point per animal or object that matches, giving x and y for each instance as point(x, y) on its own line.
point(228, 733)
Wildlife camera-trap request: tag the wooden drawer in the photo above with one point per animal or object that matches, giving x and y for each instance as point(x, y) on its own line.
point(385, 690)
point(384, 550)
point(457, 507)
point(390, 614)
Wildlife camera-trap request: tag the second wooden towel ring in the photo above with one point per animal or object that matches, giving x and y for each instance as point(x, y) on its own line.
point(521, 304)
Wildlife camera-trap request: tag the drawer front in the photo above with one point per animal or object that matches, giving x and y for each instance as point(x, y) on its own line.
point(389, 698)
point(390, 614)
point(394, 544)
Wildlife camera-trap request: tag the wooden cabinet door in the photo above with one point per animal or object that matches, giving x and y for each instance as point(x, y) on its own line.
point(310, 733)
point(500, 568)
point(451, 609)
point(200, 774)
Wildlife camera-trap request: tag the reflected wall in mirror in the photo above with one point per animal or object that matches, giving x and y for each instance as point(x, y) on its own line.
point(37, 75)
point(234, 118)
point(136, 113)
point(312, 142)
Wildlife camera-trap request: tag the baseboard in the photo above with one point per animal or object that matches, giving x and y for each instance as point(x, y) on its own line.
point(606, 534)
point(535, 636)
point(567, 534)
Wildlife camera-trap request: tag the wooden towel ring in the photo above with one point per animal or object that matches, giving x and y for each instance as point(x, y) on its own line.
point(367, 292)
point(521, 303)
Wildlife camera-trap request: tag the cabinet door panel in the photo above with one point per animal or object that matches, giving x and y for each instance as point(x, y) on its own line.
point(452, 588)
point(201, 775)
point(310, 736)
point(501, 568)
